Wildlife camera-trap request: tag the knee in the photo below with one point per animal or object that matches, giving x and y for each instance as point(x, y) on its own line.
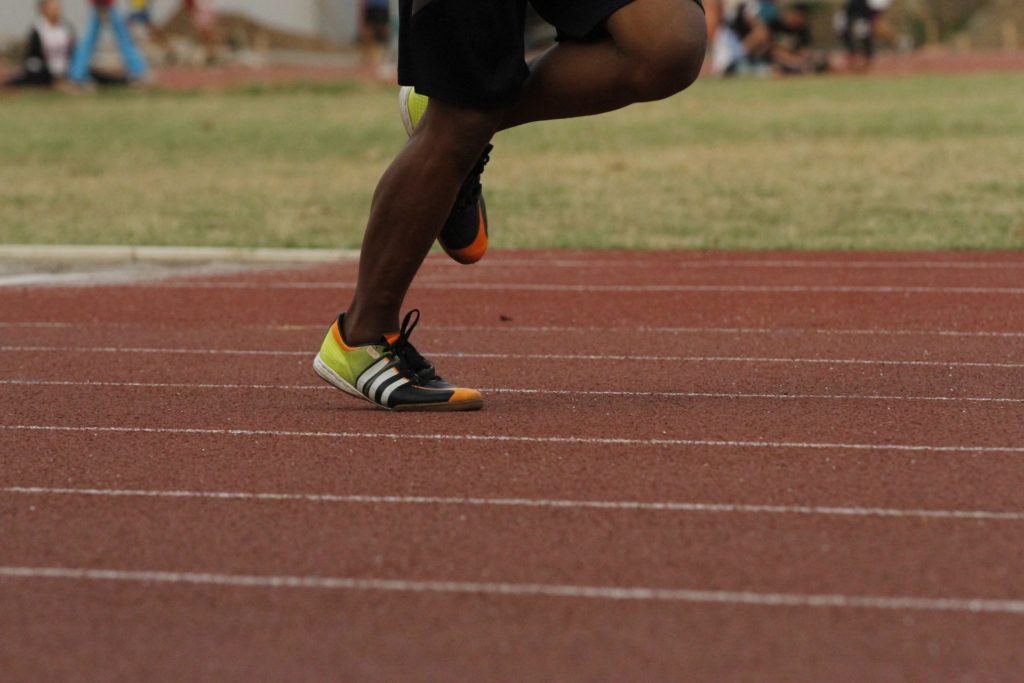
point(462, 132)
point(669, 67)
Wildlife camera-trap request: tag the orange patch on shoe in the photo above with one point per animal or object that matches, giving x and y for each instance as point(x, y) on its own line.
point(475, 251)
point(465, 396)
point(336, 333)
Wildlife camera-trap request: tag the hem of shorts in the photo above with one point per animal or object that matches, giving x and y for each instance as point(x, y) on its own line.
point(453, 94)
point(603, 14)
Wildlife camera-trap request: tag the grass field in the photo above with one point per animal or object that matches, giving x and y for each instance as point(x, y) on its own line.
point(910, 163)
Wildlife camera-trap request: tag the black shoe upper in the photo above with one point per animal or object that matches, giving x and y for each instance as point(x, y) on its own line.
point(463, 222)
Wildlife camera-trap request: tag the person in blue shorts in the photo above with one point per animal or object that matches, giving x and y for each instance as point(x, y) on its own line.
point(106, 12)
point(465, 76)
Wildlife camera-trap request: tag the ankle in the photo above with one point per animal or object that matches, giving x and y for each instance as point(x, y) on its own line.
point(355, 331)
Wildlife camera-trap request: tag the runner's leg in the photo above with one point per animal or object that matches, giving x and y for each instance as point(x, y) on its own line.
point(409, 207)
point(655, 49)
point(467, 55)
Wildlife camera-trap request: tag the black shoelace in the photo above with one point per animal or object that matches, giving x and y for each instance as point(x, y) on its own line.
point(469, 193)
point(405, 356)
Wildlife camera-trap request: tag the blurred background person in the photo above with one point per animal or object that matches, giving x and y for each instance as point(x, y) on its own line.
point(859, 23)
point(375, 31)
point(742, 41)
point(204, 22)
point(792, 49)
point(105, 12)
point(141, 16)
point(51, 43)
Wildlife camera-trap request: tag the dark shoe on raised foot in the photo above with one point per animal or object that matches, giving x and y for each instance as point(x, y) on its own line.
point(464, 236)
point(390, 374)
point(465, 233)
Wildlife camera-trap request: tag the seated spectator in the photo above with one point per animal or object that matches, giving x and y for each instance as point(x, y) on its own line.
point(104, 12)
point(792, 50)
point(375, 31)
point(743, 40)
point(51, 43)
point(858, 23)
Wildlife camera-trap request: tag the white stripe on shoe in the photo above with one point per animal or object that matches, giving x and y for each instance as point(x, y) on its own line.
point(376, 384)
point(370, 373)
point(390, 389)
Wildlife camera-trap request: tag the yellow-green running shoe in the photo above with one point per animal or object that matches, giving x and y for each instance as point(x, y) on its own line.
point(465, 233)
point(391, 374)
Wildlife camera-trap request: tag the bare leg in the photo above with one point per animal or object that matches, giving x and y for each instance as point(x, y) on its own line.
point(655, 50)
point(411, 203)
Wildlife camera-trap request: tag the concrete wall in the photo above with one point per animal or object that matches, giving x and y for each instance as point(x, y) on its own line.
point(334, 18)
point(17, 15)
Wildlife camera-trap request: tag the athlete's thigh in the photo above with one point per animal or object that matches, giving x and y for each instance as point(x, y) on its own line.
point(588, 20)
point(660, 26)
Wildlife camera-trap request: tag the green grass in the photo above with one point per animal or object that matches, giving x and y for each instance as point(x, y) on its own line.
point(910, 163)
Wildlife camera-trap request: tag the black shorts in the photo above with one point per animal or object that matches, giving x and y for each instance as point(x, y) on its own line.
point(471, 52)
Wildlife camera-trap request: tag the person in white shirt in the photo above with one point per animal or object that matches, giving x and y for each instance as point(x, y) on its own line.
point(51, 43)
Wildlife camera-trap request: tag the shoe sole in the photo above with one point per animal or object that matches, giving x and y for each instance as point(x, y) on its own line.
point(474, 252)
point(328, 375)
point(337, 381)
point(403, 108)
point(440, 407)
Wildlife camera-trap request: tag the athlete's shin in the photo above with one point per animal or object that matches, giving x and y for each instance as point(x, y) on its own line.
point(412, 202)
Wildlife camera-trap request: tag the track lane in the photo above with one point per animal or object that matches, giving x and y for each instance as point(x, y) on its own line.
point(720, 309)
point(611, 473)
point(292, 367)
point(941, 425)
point(513, 339)
point(432, 633)
point(793, 555)
point(658, 268)
point(130, 632)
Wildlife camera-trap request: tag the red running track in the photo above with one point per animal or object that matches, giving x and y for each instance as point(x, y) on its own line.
point(795, 467)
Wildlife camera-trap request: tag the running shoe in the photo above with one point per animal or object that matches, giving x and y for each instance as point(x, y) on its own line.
point(391, 374)
point(464, 236)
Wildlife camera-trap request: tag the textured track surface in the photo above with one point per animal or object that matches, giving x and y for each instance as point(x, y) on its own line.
point(715, 467)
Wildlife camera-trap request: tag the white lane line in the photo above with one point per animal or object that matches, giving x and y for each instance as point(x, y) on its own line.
point(157, 350)
point(604, 289)
point(527, 356)
point(640, 329)
point(620, 593)
point(980, 515)
point(734, 395)
point(546, 392)
point(643, 329)
point(731, 359)
point(502, 438)
point(6, 325)
point(684, 264)
point(165, 385)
